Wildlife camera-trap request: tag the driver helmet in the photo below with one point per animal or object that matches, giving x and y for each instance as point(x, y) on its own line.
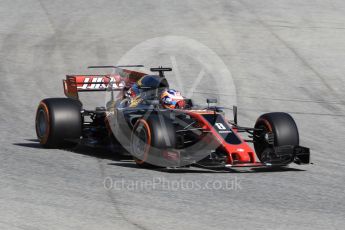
point(172, 99)
point(147, 83)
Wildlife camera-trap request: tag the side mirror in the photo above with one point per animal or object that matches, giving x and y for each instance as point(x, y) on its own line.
point(211, 100)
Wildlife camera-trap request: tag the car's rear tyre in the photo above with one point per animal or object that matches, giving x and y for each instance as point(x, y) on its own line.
point(58, 121)
point(283, 128)
point(149, 138)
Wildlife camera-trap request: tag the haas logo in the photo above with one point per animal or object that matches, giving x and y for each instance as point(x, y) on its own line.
point(99, 83)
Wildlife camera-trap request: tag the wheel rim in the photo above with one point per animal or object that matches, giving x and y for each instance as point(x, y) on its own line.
point(261, 144)
point(41, 124)
point(140, 143)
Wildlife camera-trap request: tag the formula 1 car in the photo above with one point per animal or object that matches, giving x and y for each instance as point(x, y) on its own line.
point(154, 135)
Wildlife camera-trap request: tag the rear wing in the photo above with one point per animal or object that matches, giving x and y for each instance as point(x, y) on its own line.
point(123, 78)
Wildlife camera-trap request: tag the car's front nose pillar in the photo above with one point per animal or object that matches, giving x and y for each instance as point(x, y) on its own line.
point(239, 154)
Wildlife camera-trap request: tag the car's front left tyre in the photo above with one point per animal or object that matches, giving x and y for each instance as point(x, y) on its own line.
point(150, 138)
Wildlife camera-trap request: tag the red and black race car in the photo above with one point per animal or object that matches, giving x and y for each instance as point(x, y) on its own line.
point(158, 136)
